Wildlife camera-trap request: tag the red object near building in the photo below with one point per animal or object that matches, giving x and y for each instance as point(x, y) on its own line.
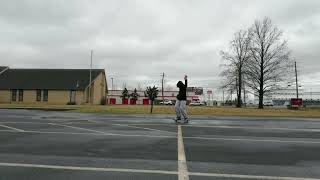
point(146, 102)
point(195, 98)
point(133, 101)
point(112, 101)
point(296, 102)
point(125, 101)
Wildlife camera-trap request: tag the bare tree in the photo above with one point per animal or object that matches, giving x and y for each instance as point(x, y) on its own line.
point(269, 57)
point(237, 59)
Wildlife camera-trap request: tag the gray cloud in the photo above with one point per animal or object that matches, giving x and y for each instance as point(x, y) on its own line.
point(137, 40)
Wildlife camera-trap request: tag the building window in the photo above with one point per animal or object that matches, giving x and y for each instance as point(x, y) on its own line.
point(14, 95)
point(72, 96)
point(45, 95)
point(20, 95)
point(38, 95)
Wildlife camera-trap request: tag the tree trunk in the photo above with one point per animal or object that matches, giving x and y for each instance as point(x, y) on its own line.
point(261, 93)
point(151, 110)
point(260, 99)
point(239, 103)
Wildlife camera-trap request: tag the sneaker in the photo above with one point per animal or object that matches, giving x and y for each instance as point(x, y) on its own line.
point(177, 119)
point(186, 120)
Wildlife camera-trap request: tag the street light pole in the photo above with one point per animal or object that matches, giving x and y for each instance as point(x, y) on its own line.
point(297, 88)
point(90, 77)
point(112, 83)
point(162, 81)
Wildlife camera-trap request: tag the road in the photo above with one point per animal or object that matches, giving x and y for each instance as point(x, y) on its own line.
point(37, 145)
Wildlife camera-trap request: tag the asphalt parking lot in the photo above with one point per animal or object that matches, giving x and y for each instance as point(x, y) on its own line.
point(37, 145)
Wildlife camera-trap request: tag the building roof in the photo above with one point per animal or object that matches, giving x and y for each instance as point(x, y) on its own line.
point(2, 68)
point(54, 79)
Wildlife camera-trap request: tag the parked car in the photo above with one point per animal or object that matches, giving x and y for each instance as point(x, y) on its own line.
point(268, 103)
point(166, 102)
point(197, 103)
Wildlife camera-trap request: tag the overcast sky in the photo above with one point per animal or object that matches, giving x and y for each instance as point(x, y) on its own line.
point(135, 41)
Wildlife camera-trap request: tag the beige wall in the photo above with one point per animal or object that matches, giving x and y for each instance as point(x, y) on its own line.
point(5, 96)
point(98, 89)
point(54, 97)
point(63, 97)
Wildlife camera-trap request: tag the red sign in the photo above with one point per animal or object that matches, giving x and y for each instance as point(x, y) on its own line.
point(195, 97)
point(296, 102)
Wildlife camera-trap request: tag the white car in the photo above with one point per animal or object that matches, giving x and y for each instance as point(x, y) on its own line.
point(268, 103)
point(196, 103)
point(166, 102)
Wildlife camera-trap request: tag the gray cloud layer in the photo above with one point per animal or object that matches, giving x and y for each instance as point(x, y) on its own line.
point(135, 41)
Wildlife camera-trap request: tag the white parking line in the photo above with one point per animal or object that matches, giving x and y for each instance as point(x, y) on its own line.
point(98, 169)
point(93, 133)
point(172, 125)
point(79, 128)
point(240, 176)
point(87, 168)
point(250, 127)
point(99, 133)
point(12, 128)
point(182, 163)
point(151, 129)
point(255, 140)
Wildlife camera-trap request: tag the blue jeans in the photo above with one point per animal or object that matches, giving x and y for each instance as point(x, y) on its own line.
point(181, 109)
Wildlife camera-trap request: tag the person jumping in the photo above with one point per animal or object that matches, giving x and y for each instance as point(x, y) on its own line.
point(181, 103)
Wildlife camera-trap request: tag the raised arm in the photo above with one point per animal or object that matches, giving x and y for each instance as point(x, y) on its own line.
point(186, 81)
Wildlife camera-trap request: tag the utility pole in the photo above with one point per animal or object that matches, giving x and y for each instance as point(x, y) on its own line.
point(90, 77)
point(112, 83)
point(162, 81)
point(297, 87)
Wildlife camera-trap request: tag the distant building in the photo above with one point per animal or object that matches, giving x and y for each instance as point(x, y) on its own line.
point(114, 97)
point(282, 97)
point(52, 86)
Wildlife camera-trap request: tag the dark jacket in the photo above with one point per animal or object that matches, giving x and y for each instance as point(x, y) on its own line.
point(182, 90)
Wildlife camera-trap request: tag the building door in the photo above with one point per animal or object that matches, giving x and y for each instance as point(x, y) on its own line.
point(112, 101)
point(125, 101)
point(145, 101)
point(133, 101)
point(72, 96)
